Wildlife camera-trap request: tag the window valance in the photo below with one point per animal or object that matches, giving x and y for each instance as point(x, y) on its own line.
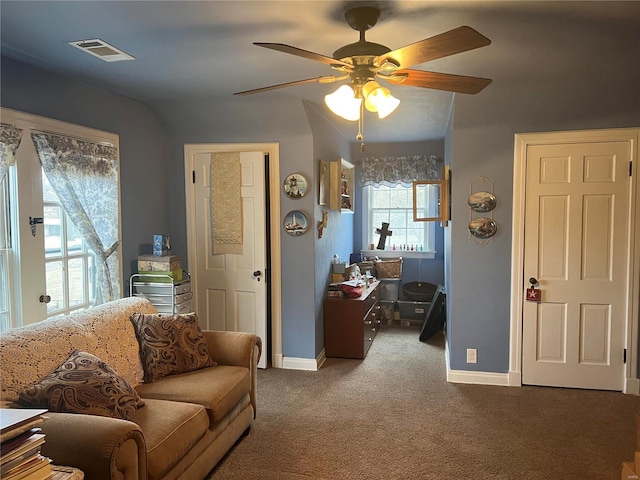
point(392, 171)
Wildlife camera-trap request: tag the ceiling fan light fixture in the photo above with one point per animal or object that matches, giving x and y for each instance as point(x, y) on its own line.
point(379, 99)
point(387, 106)
point(344, 103)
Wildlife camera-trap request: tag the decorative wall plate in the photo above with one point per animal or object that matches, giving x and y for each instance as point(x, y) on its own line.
point(295, 186)
point(295, 223)
point(481, 201)
point(483, 227)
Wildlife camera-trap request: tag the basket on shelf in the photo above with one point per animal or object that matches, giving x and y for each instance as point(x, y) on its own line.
point(419, 291)
point(391, 268)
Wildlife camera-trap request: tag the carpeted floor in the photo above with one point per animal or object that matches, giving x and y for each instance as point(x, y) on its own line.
point(394, 416)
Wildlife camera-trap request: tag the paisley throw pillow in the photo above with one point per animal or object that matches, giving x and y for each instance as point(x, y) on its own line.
point(84, 384)
point(170, 344)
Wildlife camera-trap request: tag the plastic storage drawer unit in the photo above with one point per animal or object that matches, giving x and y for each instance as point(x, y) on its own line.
point(389, 288)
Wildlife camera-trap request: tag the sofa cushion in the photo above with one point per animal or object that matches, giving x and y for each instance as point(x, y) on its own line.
point(217, 389)
point(84, 384)
point(170, 430)
point(170, 344)
point(29, 353)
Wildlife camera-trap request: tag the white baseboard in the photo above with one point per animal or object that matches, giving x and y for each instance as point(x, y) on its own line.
point(515, 378)
point(276, 360)
point(632, 386)
point(293, 363)
point(480, 378)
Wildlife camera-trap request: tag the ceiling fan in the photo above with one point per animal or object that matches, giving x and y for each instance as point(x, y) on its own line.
point(363, 62)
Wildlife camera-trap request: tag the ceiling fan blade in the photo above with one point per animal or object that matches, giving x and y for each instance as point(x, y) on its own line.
point(281, 47)
point(454, 41)
point(438, 81)
point(325, 79)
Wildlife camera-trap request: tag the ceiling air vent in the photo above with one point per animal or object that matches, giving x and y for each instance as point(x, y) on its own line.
point(102, 50)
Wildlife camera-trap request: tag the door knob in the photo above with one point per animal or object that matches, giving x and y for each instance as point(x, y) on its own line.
point(257, 274)
point(533, 281)
point(45, 299)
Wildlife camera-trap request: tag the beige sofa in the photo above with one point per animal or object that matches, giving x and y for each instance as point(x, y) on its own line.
point(189, 420)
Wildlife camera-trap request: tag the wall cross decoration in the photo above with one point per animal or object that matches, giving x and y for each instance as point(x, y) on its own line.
point(384, 233)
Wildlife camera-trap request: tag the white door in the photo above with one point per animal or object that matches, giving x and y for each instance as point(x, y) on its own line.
point(576, 246)
point(230, 290)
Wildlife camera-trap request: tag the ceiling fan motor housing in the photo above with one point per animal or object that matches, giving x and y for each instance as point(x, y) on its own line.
point(359, 49)
point(361, 19)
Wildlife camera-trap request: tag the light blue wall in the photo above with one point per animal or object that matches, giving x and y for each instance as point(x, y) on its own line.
point(337, 237)
point(143, 146)
point(589, 94)
point(203, 121)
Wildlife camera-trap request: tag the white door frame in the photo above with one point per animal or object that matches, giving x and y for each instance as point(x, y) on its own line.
point(273, 150)
point(522, 142)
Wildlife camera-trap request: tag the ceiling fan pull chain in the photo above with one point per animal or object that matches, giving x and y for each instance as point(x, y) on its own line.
point(360, 122)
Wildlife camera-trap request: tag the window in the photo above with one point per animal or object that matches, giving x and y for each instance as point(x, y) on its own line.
point(58, 261)
point(69, 263)
point(394, 205)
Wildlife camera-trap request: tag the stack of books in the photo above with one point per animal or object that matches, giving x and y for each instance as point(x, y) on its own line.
point(20, 442)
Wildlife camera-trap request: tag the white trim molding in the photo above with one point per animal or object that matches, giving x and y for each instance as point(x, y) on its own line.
point(273, 149)
point(478, 378)
point(521, 144)
point(309, 364)
point(632, 386)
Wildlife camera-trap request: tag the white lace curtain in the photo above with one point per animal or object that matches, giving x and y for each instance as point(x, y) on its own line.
point(392, 171)
point(85, 177)
point(10, 137)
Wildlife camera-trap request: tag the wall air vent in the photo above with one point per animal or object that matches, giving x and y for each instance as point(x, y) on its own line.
point(102, 50)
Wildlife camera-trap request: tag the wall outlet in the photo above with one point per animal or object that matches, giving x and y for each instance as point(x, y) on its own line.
point(472, 355)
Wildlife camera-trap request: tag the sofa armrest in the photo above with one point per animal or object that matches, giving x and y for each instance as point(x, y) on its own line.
point(236, 348)
point(102, 447)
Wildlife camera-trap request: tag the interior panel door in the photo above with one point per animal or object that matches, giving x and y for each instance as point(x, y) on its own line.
point(576, 247)
point(231, 289)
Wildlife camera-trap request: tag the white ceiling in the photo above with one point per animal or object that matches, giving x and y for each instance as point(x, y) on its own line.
point(192, 53)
